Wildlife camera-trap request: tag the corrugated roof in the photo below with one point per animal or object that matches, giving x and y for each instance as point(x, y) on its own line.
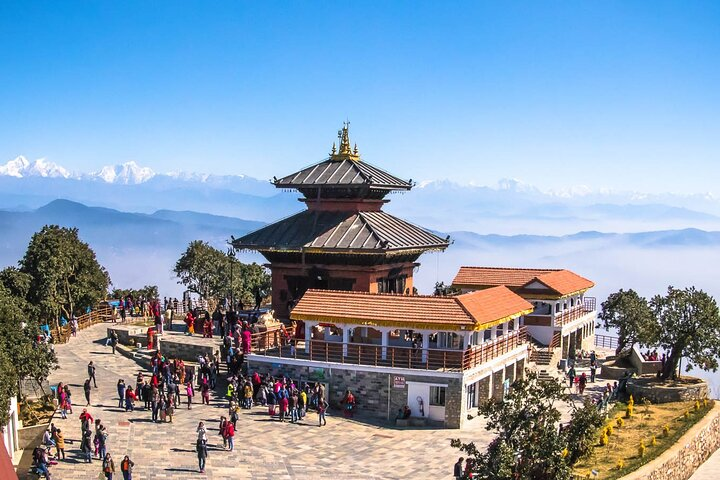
point(343, 173)
point(341, 230)
point(490, 276)
point(475, 310)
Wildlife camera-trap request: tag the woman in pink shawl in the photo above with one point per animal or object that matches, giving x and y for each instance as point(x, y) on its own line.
point(246, 340)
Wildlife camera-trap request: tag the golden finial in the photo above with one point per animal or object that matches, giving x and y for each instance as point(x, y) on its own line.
point(344, 152)
point(334, 149)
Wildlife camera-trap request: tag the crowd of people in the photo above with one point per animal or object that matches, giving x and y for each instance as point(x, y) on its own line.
point(160, 390)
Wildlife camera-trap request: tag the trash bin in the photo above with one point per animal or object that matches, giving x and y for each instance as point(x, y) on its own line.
point(563, 364)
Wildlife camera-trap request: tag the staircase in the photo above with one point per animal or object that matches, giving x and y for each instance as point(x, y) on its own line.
point(542, 356)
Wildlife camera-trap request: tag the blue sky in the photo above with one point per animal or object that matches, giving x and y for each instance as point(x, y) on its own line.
point(608, 94)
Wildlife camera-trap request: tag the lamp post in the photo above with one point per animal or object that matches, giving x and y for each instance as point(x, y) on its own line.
point(231, 257)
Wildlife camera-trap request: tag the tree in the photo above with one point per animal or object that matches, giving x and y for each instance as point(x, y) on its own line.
point(689, 325)
point(529, 444)
point(148, 292)
point(66, 277)
point(629, 314)
point(207, 271)
point(21, 357)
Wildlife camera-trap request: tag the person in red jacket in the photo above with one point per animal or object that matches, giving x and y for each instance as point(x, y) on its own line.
point(229, 434)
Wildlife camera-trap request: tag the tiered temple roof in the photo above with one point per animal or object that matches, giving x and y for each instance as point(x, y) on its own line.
point(471, 311)
point(344, 196)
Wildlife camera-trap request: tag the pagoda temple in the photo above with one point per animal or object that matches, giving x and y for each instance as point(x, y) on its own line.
point(343, 240)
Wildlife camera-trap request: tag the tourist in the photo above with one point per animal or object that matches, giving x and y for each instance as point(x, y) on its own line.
point(130, 398)
point(230, 435)
point(571, 376)
point(293, 404)
point(321, 408)
point(221, 430)
point(66, 388)
point(108, 466)
point(458, 469)
point(205, 392)
point(189, 324)
point(101, 436)
point(47, 439)
point(283, 401)
point(246, 339)
point(126, 467)
point(91, 373)
point(582, 383)
point(593, 371)
point(248, 395)
point(59, 443)
point(41, 462)
point(349, 401)
point(86, 445)
point(73, 326)
point(190, 393)
point(201, 431)
point(113, 341)
point(202, 453)
point(121, 392)
point(87, 388)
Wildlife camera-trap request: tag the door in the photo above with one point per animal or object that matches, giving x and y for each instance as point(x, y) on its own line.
point(418, 398)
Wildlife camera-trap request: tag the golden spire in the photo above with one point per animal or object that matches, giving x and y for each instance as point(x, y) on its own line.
point(344, 152)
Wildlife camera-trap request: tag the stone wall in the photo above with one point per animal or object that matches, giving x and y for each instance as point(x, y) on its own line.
point(658, 393)
point(181, 348)
point(377, 394)
point(31, 437)
point(682, 459)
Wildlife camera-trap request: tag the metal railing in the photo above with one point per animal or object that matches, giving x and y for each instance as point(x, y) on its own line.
point(606, 341)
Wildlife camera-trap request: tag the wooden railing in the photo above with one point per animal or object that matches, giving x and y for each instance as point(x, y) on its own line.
point(480, 354)
point(100, 314)
point(277, 344)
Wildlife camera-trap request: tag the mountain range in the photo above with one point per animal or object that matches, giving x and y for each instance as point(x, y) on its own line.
point(510, 207)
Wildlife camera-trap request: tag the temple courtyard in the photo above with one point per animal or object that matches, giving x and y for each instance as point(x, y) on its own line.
point(264, 448)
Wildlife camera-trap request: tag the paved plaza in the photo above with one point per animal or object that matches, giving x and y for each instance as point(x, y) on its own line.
point(264, 449)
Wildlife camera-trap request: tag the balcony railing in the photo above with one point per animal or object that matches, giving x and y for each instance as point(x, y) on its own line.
point(479, 354)
point(576, 312)
point(277, 344)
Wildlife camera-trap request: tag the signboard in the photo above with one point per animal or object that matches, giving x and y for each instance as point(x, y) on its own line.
point(398, 381)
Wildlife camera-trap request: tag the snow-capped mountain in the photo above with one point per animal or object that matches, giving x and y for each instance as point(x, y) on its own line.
point(128, 173)
point(21, 167)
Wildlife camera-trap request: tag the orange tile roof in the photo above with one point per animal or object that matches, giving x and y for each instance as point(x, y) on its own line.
point(475, 310)
point(565, 282)
point(492, 304)
point(490, 276)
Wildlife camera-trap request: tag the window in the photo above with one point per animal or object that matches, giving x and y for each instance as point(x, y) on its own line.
point(471, 397)
point(437, 396)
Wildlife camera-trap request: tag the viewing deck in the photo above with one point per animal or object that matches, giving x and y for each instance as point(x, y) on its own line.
point(276, 344)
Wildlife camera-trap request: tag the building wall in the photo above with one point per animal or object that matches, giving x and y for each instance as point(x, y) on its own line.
point(365, 280)
point(379, 393)
point(10, 431)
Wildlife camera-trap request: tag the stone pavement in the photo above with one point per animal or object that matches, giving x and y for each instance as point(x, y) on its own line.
point(264, 449)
